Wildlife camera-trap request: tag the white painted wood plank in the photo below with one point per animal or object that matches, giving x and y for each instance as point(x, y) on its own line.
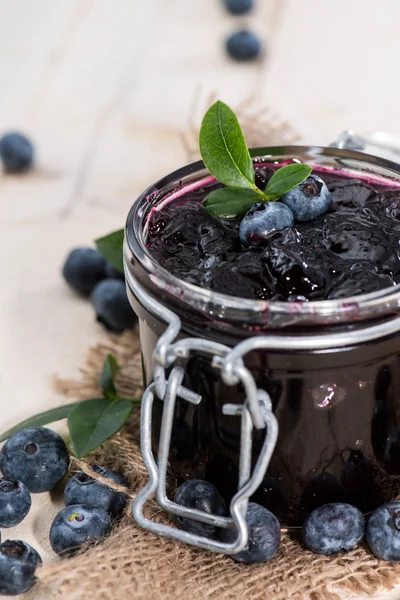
point(333, 67)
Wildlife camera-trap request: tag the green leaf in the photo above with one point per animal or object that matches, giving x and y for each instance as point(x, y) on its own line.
point(286, 178)
point(223, 147)
point(228, 203)
point(110, 369)
point(111, 246)
point(94, 421)
point(44, 418)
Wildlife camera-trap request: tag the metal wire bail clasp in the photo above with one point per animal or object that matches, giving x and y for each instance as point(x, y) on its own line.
point(255, 412)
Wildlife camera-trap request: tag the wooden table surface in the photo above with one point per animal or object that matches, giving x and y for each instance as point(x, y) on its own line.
point(106, 89)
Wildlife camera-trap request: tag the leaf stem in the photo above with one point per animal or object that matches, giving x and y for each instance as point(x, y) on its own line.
point(265, 197)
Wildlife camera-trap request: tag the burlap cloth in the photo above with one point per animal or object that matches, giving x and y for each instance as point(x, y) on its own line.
point(134, 564)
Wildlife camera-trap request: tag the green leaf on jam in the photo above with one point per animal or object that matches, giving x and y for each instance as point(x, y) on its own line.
point(110, 369)
point(225, 154)
point(223, 148)
point(94, 421)
point(228, 203)
point(44, 418)
point(111, 247)
point(286, 178)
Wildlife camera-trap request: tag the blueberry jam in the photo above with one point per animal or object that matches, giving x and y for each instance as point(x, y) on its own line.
point(337, 408)
point(352, 249)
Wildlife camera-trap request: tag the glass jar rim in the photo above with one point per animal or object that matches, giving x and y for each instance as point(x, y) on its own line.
point(260, 313)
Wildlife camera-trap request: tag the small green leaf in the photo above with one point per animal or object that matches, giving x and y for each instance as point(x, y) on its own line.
point(110, 369)
point(286, 178)
point(227, 203)
point(223, 147)
point(111, 246)
point(94, 421)
point(44, 418)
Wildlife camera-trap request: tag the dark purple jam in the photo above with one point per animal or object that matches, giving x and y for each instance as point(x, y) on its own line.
point(337, 409)
point(353, 249)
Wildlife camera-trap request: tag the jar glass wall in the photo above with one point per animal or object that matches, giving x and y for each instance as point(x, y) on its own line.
point(337, 407)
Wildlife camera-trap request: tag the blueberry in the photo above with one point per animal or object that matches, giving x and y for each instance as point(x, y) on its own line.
point(83, 269)
point(113, 273)
point(112, 306)
point(15, 502)
point(83, 489)
point(200, 495)
point(263, 219)
point(308, 200)
point(383, 532)
point(238, 7)
point(76, 525)
point(243, 46)
point(36, 456)
point(333, 528)
point(264, 535)
point(16, 152)
point(18, 562)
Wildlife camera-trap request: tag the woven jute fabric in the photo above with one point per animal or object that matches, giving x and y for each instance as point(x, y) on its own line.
point(135, 564)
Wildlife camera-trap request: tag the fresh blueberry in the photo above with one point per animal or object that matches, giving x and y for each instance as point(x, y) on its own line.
point(113, 273)
point(83, 269)
point(16, 152)
point(383, 532)
point(37, 456)
point(333, 528)
point(263, 219)
point(264, 535)
point(18, 562)
point(76, 525)
point(243, 46)
point(308, 200)
point(15, 502)
point(238, 7)
point(83, 489)
point(112, 306)
point(200, 495)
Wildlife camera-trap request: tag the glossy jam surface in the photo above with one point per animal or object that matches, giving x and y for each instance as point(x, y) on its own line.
point(353, 249)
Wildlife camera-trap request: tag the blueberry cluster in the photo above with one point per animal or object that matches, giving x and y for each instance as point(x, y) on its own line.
point(263, 526)
point(89, 274)
point(335, 528)
point(16, 152)
point(330, 529)
point(35, 460)
point(91, 508)
point(243, 45)
point(303, 203)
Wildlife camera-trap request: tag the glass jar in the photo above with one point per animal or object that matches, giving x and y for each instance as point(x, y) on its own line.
point(331, 368)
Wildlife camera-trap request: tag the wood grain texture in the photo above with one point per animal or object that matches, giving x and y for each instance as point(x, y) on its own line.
point(105, 90)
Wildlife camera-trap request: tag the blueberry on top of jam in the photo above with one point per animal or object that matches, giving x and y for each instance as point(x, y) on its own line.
point(351, 249)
